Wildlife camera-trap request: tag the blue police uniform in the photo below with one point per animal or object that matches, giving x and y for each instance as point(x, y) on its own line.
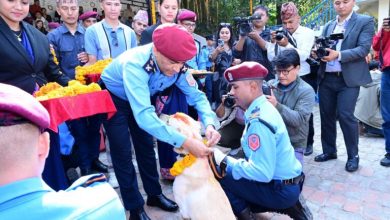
point(90, 197)
point(260, 178)
point(86, 131)
point(132, 79)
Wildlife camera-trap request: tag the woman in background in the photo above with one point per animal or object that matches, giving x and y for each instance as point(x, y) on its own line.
point(26, 62)
point(223, 59)
point(40, 27)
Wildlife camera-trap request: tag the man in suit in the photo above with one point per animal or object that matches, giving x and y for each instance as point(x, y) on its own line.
point(341, 73)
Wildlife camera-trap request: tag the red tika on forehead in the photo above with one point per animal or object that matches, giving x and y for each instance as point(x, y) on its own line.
point(182, 117)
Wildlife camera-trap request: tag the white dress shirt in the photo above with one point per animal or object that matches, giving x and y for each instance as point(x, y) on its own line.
point(304, 38)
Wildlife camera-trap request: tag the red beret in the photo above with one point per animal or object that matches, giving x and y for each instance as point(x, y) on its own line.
point(186, 15)
point(18, 106)
point(174, 42)
point(245, 71)
point(87, 15)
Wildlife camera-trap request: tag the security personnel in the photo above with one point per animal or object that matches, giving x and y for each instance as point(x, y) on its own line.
point(269, 177)
point(132, 79)
point(24, 147)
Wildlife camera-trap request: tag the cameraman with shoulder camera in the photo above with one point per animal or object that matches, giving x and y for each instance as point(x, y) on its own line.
point(293, 98)
point(251, 46)
point(381, 43)
point(341, 74)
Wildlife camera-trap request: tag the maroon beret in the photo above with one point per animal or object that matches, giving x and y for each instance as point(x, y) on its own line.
point(245, 71)
point(186, 15)
point(174, 42)
point(18, 106)
point(87, 15)
point(54, 25)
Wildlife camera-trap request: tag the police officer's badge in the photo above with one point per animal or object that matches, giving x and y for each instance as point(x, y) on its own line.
point(230, 76)
point(254, 142)
point(190, 79)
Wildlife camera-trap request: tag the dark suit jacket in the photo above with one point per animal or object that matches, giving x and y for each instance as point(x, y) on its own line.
point(146, 36)
point(17, 69)
point(354, 48)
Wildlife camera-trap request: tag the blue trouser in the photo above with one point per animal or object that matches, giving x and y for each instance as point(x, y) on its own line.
point(54, 173)
point(244, 193)
point(385, 106)
point(209, 87)
point(118, 129)
point(336, 99)
point(86, 132)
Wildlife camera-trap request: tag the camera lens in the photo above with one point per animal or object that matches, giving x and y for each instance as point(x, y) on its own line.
point(229, 101)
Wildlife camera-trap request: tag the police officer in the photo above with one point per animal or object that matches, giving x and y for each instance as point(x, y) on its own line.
point(269, 177)
point(24, 147)
point(132, 79)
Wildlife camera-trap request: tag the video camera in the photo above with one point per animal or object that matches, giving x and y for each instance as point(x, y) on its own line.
point(280, 34)
point(322, 43)
point(244, 23)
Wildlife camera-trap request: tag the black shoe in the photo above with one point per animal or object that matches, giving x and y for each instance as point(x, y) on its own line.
point(246, 214)
point(299, 211)
point(386, 160)
point(99, 166)
point(162, 202)
point(85, 171)
point(139, 214)
point(352, 164)
point(309, 150)
point(325, 157)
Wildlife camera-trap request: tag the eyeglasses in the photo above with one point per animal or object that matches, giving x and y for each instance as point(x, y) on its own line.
point(284, 72)
point(224, 24)
point(114, 38)
point(189, 25)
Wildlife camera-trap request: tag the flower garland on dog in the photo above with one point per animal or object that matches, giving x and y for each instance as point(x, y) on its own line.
point(180, 165)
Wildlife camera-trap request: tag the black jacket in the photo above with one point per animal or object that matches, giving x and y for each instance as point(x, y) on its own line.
point(146, 36)
point(16, 67)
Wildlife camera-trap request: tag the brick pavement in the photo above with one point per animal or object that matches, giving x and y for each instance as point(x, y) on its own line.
point(330, 191)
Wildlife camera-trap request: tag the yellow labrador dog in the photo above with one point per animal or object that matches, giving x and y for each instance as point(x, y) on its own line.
point(196, 191)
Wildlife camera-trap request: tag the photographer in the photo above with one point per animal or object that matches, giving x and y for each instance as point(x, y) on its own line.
point(251, 46)
point(341, 73)
point(381, 43)
point(232, 122)
point(223, 58)
point(293, 98)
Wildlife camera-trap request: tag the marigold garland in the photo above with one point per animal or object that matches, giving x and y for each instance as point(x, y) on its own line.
point(54, 90)
point(96, 68)
point(180, 165)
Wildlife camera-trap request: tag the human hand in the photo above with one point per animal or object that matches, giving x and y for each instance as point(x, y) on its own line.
point(273, 35)
point(272, 99)
point(313, 54)
point(218, 156)
point(283, 42)
point(212, 136)
point(254, 35)
point(333, 54)
point(196, 147)
point(386, 24)
point(83, 57)
point(236, 61)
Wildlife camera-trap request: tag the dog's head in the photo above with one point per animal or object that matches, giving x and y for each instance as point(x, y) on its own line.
point(185, 125)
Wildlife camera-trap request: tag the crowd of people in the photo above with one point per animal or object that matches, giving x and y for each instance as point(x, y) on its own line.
point(257, 106)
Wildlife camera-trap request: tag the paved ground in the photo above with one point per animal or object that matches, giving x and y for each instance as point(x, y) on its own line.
point(330, 191)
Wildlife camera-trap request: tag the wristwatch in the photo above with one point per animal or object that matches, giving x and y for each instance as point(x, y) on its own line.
point(223, 166)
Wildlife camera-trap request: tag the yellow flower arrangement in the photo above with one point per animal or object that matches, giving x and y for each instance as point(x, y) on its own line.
point(180, 165)
point(54, 90)
point(96, 68)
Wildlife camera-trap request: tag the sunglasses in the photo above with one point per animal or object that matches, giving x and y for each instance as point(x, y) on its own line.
point(114, 38)
point(224, 24)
